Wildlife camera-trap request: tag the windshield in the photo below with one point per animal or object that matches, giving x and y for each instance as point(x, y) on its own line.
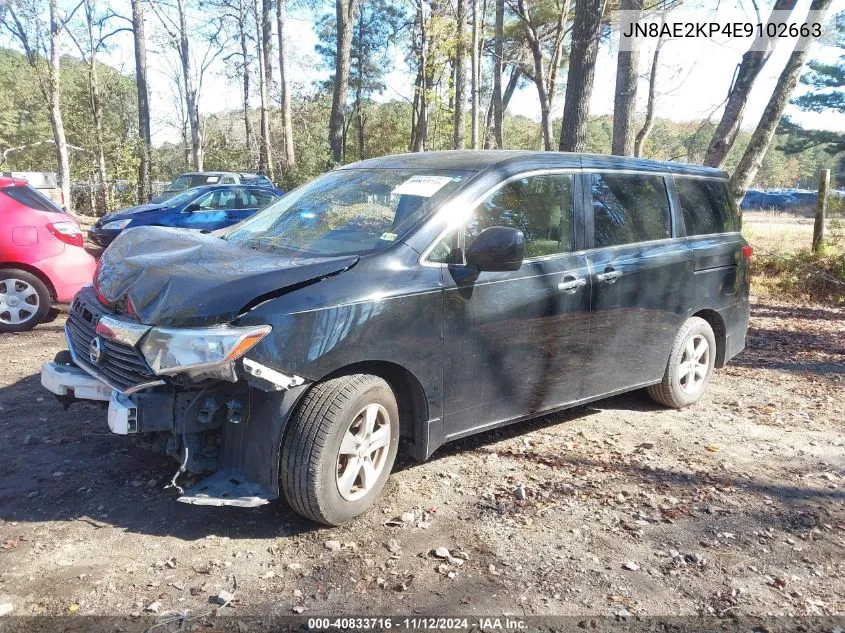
point(349, 211)
point(181, 198)
point(186, 181)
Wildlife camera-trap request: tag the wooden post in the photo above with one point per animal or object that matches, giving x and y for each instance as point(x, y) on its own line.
point(821, 209)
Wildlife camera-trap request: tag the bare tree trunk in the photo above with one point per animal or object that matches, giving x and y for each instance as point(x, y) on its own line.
point(265, 152)
point(645, 130)
point(190, 89)
point(582, 67)
point(102, 194)
point(360, 117)
point(289, 159)
point(625, 101)
point(498, 52)
point(144, 168)
point(249, 132)
point(345, 13)
point(475, 73)
point(748, 70)
point(267, 48)
point(535, 46)
point(420, 127)
point(97, 111)
point(55, 97)
point(510, 88)
point(359, 79)
point(460, 76)
point(751, 160)
point(414, 110)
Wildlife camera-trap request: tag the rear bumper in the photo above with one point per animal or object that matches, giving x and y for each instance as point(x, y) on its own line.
point(736, 328)
point(68, 272)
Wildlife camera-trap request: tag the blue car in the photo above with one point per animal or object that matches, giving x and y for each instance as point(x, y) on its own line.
point(209, 207)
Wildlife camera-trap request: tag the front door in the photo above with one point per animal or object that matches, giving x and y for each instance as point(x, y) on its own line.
point(642, 281)
point(515, 341)
point(210, 211)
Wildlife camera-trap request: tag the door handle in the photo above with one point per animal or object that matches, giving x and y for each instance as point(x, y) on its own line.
point(609, 276)
point(570, 284)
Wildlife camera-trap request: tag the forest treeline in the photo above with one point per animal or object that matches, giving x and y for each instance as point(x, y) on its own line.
point(63, 109)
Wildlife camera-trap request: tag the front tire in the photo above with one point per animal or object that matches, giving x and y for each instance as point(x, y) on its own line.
point(339, 448)
point(690, 366)
point(24, 300)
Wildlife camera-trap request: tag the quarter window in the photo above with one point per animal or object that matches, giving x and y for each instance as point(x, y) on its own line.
point(539, 206)
point(707, 206)
point(629, 208)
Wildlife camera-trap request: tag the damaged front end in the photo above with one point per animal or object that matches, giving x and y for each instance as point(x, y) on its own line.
point(185, 386)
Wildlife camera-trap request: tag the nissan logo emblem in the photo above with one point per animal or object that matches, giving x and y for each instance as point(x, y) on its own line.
point(96, 351)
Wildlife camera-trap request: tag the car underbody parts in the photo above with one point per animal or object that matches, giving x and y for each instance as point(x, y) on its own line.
point(227, 487)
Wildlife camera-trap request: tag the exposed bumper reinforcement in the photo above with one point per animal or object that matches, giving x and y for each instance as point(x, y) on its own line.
point(68, 380)
point(227, 487)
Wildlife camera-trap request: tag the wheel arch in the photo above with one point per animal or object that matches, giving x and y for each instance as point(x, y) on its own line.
point(719, 333)
point(32, 270)
point(410, 396)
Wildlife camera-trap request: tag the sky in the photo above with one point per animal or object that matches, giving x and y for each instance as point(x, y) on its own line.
point(693, 80)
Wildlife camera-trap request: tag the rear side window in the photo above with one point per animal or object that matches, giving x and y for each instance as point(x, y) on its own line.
point(707, 206)
point(32, 198)
point(629, 208)
point(258, 198)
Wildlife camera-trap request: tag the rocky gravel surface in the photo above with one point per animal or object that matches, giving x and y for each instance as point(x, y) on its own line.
point(620, 508)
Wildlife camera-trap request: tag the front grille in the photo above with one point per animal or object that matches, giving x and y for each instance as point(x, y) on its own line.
point(121, 366)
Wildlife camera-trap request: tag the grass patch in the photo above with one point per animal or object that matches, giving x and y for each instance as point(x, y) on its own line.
point(800, 275)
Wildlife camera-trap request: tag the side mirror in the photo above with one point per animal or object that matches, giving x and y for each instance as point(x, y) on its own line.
point(191, 208)
point(497, 249)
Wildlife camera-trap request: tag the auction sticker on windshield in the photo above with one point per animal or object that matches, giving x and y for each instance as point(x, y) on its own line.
point(423, 186)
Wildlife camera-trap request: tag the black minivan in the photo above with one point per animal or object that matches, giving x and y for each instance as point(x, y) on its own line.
point(406, 300)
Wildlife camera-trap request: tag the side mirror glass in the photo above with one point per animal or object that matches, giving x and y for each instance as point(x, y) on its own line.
point(191, 208)
point(497, 249)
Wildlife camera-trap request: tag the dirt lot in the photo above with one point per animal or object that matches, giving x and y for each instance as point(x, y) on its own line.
point(732, 506)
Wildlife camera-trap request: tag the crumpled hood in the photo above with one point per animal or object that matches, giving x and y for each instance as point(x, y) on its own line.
point(179, 277)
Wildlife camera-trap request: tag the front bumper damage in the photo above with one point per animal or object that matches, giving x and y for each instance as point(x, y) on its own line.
point(230, 429)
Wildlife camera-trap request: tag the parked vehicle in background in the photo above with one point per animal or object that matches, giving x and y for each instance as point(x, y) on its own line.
point(199, 178)
point(41, 256)
point(44, 181)
point(410, 299)
point(798, 200)
point(209, 207)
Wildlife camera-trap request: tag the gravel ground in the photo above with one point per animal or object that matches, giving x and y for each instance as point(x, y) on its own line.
point(733, 506)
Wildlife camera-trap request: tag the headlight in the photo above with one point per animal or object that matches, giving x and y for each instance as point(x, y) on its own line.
point(175, 350)
point(116, 225)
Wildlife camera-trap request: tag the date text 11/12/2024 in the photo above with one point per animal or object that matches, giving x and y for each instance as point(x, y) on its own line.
point(418, 623)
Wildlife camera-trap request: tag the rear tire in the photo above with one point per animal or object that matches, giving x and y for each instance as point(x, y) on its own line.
point(690, 366)
point(339, 449)
point(24, 300)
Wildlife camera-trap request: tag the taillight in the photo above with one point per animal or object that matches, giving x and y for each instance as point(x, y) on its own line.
point(67, 232)
point(747, 251)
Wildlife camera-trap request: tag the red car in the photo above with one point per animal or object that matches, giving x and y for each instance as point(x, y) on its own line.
point(41, 256)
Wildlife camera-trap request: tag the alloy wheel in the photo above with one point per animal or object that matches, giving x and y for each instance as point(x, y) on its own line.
point(19, 301)
point(694, 365)
point(363, 452)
